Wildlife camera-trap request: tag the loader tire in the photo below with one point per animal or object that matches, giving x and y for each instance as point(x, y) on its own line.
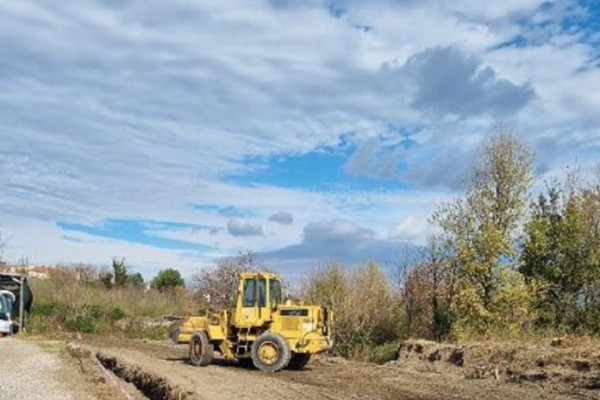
point(298, 361)
point(270, 352)
point(201, 350)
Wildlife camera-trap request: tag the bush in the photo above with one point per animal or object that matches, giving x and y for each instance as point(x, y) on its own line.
point(82, 323)
point(94, 311)
point(46, 309)
point(117, 314)
point(155, 333)
point(384, 353)
point(41, 324)
point(167, 279)
point(66, 302)
point(365, 310)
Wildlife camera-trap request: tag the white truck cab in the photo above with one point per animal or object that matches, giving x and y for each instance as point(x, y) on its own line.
point(7, 300)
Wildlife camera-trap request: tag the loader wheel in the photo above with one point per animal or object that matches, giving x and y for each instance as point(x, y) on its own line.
point(201, 350)
point(298, 361)
point(270, 352)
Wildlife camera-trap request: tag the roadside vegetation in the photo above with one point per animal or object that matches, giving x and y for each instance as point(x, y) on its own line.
point(500, 265)
point(83, 299)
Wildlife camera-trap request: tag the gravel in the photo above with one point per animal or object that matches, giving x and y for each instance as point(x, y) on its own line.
point(30, 373)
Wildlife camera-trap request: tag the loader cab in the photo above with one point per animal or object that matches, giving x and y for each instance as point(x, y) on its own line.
point(258, 296)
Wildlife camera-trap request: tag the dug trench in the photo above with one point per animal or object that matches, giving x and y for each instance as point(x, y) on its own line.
point(152, 386)
point(160, 371)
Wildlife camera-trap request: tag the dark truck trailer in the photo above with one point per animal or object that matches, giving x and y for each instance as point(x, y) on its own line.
point(12, 283)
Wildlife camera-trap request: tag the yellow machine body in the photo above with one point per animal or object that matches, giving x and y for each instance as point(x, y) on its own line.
point(259, 309)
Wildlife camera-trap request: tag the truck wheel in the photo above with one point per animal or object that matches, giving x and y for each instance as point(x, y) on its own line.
point(270, 352)
point(298, 361)
point(201, 350)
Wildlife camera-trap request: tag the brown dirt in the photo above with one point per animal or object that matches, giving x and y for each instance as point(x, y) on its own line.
point(163, 370)
point(575, 367)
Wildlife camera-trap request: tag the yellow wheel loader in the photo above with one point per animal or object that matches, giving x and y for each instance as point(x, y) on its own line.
point(260, 330)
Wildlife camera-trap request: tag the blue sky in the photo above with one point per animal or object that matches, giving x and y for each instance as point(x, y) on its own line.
point(177, 133)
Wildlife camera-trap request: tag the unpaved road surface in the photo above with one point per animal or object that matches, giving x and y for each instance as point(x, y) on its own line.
point(323, 379)
point(29, 372)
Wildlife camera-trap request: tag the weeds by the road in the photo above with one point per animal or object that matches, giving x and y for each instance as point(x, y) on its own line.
point(66, 302)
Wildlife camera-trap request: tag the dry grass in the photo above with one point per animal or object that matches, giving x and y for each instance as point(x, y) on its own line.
point(65, 303)
point(572, 362)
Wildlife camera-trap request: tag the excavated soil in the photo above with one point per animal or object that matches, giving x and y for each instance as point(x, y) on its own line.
point(161, 371)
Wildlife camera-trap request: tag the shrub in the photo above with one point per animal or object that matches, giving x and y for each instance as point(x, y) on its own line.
point(46, 309)
point(117, 314)
point(366, 313)
point(384, 353)
point(94, 311)
point(82, 323)
point(66, 302)
point(167, 279)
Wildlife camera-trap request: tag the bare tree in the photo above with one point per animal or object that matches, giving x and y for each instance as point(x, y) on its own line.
point(216, 287)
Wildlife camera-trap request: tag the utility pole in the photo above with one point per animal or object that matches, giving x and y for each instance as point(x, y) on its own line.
point(21, 307)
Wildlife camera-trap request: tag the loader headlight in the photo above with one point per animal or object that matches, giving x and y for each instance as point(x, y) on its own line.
point(307, 324)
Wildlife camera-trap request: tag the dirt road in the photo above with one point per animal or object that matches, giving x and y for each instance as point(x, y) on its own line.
point(323, 379)
point(31, 372)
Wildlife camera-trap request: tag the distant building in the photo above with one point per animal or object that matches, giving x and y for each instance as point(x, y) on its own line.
point(31, 271)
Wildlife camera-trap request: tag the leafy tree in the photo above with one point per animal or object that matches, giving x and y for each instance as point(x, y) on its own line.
point(480, 230)
point(362, 301)
point(370, 306)
point(167, 279)
point(327, 285)
point(106, 278)
point(561, 255)
point(136, 280)
point(119, 272)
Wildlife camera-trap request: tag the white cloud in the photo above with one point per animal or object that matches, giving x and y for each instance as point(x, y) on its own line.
point(412, 228)
point(449, 82)
point(141, 109)
point(338, 239)
point(283, 218)
point(240, 227)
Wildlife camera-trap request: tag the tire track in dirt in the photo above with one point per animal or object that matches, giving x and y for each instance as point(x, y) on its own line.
point(331, 379)
point(224, 381)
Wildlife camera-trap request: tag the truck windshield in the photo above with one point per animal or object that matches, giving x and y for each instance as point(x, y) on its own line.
point(249, 292)
point(4, 310)
point(275, 290)
point(262, 292)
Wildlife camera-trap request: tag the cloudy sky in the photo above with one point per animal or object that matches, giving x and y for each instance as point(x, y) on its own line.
point(175, 133)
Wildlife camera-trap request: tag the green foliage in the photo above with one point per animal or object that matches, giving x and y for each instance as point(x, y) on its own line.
point(479, 231)
point(117, 314)
point(136, 280)
point(94, 310)
point(166, 279)
point(106, 278)
point(561, 256)
point(46, 309)
point(83, 323)
point(383, 353)
point(119, 277)
point(120, 272)
point(41, 324)
point(366, 313)
point(67, 302)
point(154, 333)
